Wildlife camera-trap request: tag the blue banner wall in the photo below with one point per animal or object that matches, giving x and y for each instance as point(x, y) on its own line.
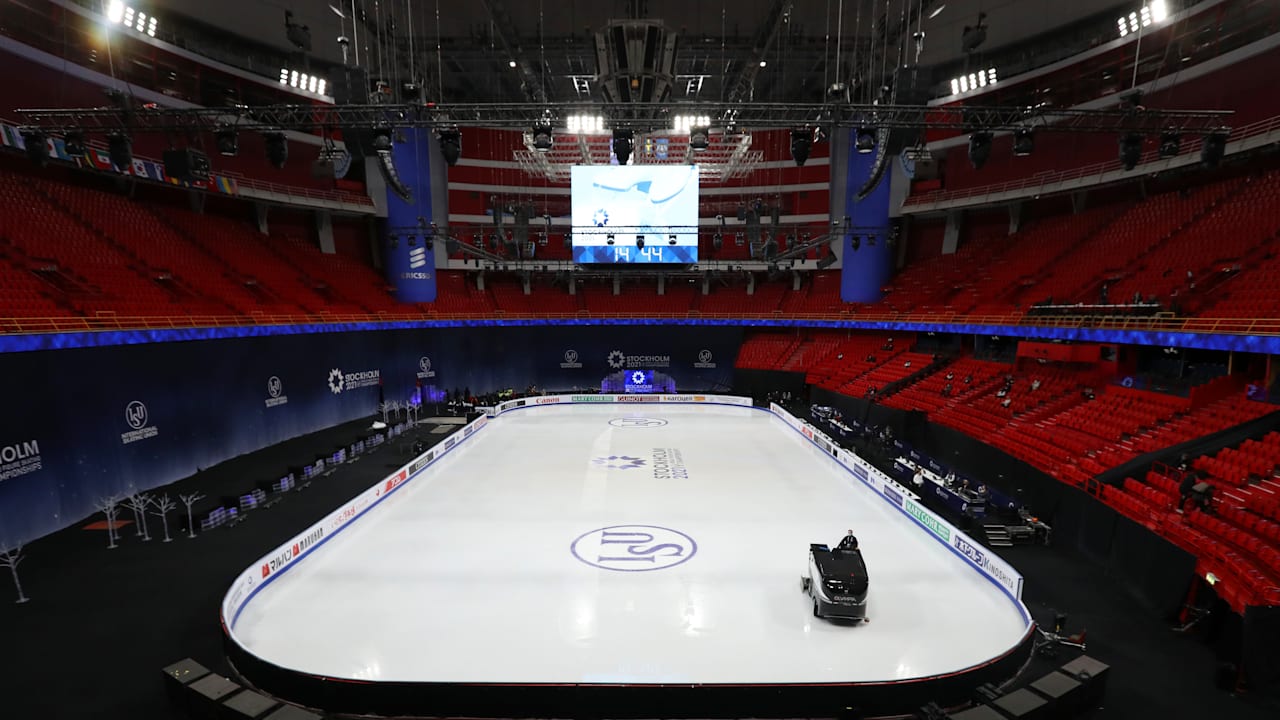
point(410, 265)
point(117, 419)
point(865, 270)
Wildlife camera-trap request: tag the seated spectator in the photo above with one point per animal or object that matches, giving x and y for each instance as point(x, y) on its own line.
point(906, 364)
point(968, 379)
point(951, 376)
point(1006, 402)
point(946, 390)
point(1035, 384)
point(1002, 392)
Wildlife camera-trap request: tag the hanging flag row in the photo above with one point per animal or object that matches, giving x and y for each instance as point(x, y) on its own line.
point(98, 159)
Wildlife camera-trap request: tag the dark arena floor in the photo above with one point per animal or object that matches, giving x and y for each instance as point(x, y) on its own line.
point(102, 623)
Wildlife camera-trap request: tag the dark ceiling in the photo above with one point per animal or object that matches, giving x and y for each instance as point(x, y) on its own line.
point(475, 40)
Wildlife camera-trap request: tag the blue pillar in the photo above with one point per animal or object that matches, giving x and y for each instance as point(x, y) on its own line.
point(866, 270)
point(411, 268)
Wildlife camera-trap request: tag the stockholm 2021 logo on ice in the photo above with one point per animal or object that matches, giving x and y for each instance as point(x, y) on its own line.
point(634, 548)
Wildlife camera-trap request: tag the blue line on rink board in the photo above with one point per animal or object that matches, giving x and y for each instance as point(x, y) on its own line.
point(297, 560)
point(1022, 610)
point(106, 338)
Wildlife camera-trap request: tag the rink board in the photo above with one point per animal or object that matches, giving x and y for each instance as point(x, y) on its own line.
point(428, 590)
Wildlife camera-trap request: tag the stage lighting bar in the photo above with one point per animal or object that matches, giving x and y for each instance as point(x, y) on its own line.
point(585, 124)
point(686, 123)
point(1153, 12)
point(302, 81)
point(120, 14)
point(973, 81)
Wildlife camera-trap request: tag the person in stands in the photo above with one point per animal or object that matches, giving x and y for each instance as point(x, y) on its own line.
point(848, 542)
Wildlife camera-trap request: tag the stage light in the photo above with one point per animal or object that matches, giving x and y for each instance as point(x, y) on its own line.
point(671, 239)
point(1170, 143)
point(686, 123)
point(1130, 150)
point(511, 63)
point(1154, 12)
point(1024, 142)
point(864, 140)
point(299, 80)
point(277, 149)
point(451, 146)
point(542, 138)
point(801, 141)
point(855, 242)
point(622, 142)
point(228, 141)
point(640, 242)
point(979, 148)
point(585, 124)
point(120, 14)
point(973, 81)
point(37, 144)
point(1213, 148)
point(609, 239)
point(700, 137)
point(120, 150)
point(73, 142)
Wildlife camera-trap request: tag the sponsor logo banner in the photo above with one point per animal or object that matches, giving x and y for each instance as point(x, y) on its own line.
point(340, 381)
point(926, 518)
point(860, 471)
point(894, 496)
point(988, 563)
point(547, 400)
point(638, 399)
point(619, 360)
point(20, 458)
point(591, 398)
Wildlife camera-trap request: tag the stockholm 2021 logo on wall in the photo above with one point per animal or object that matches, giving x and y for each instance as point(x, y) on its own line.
point(633, 548)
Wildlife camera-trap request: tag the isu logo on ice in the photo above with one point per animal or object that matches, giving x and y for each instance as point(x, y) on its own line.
point(637, 422)
point(634, 548)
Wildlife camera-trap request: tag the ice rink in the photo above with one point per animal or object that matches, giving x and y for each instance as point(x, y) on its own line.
point(625, 544)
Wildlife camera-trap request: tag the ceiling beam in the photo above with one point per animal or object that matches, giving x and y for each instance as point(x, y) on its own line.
point(508, 36)
point(765, 37)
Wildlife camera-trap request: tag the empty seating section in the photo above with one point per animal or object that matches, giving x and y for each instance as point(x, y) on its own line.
point(767, 351)
point(852, 358)
point(879, 378)
point(968, 379)
point(1223, 235)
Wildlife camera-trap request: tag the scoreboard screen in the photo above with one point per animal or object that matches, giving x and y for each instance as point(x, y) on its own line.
point(624, 214)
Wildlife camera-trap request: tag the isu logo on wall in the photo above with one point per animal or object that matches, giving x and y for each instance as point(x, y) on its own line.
point(571, 361)
point(138, 419)
point(706, 360)
point(275, 392)
point(424, 368)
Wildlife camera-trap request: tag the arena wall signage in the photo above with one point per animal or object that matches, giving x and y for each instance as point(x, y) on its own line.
point(994, 568)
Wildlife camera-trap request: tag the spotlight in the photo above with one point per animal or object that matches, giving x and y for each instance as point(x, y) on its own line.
point(74, 143)
point(1130, 150)
point(228, 141)
point(671, 239)
point(700, 137)
point(609, 239)
point(542, 138)
point(622, 142)
point(120, 150)
point(451, 146)
point(277, 149)
point(640, 242)
point(717, 241)
point(979, 148)
point(1170, 143)
point(855, 242)
point(395, 241)
point(801, 141)
point(37, 144)
point(1213, 148)
point(864, 140)
point(1024, 142)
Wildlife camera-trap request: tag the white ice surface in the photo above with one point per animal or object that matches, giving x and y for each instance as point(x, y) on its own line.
point(466, 575)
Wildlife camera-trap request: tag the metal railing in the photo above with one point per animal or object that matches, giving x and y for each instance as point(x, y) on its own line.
point(110, 321)
point(1049, 177)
